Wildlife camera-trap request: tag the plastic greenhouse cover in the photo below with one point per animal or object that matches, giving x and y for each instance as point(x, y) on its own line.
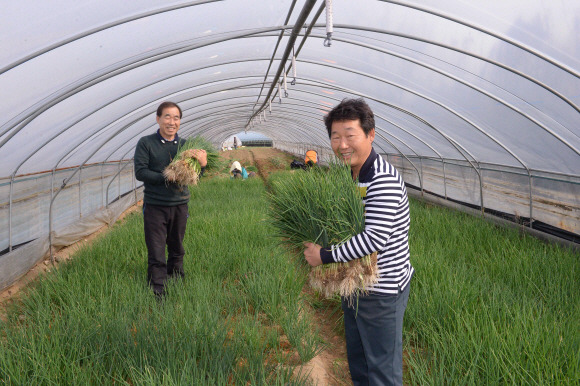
point(482, 81)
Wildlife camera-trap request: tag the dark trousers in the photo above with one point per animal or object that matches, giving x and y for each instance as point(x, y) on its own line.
point(164, 225)
point(374, 338)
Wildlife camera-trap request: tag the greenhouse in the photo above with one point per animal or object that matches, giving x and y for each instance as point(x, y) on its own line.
point(476, 104)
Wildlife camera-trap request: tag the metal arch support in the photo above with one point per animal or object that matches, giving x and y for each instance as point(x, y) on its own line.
point(342, 89)
point(280, 35)
point(286, 104)
point(106, 73)
point(268, 131)
point(307, 8)
point(416, 154)
point(423, 142)
point(79, 143)
point(487, 32)
point(301, 127)
point(298, 122)
point(102, 28)
point(467, 53)
point(419, 174)
point(426, 123)
point(113, 178)
point(102, 107)
point(210, 114)
point(453, 143)
point(469, 85)
point(95, 133)
point(147, 128)
point(461, 116)
point(197, 119)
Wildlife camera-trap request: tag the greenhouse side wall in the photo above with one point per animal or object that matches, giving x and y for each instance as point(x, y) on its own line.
point(94, 196)
point(551, 200)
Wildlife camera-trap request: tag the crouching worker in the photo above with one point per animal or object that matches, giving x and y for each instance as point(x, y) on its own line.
point(164, 203)
point(311, 158)
point(373, 324)
point(238, 171)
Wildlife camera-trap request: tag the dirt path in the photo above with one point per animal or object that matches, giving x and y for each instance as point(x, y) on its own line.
point(327, 368)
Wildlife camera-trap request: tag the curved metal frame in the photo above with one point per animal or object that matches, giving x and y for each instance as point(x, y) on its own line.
point(105, 73)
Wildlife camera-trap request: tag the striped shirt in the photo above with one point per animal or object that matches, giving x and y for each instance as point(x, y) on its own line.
point(386, 227)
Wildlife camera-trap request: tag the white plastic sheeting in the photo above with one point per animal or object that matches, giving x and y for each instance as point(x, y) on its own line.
point(475, 101)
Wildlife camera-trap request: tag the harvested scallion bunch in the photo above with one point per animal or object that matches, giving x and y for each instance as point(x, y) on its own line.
point(323, 206)
point(185, 169)
point(202, 143)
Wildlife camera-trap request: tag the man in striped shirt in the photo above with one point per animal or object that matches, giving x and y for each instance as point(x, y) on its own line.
point(374, 323)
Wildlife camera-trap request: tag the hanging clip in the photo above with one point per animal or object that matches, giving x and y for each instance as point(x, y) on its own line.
point(328, 40)
point(293, 83)
point(329, 27)
point(279, 94)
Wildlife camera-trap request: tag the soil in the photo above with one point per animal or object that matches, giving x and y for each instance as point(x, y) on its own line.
point(329, 367)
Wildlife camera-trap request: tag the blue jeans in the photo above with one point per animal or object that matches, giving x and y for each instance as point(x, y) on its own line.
point(373, 329)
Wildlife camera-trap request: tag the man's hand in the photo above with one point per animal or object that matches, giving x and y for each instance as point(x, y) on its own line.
point(312, 254)
point(201, 156)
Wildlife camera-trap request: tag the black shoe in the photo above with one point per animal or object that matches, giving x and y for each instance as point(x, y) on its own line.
point(159, 295)
point(176, 275)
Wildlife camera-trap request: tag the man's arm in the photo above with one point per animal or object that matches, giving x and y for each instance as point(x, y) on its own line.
point(142, 171)
point(383, 197)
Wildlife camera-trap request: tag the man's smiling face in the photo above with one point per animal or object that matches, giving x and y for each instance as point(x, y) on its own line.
point(350, 143)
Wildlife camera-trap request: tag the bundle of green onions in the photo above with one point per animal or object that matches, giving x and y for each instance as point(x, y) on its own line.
point(199, 142)
point(323, 206)
point(185, 168)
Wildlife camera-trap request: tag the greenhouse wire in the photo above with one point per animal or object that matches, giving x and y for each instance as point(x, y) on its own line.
point(307, 8)
point(450, 140)
point(113, 178)
point(119, 174)
point(459, 80)
point(108, 73)
point(488, 32)
point(218, 124)
point(54, 195)
point(99, 29)
point(280, 36)
point(80, 192)
point(445, 136)
point(444, 106)
point(419, 174)
point(467, 53)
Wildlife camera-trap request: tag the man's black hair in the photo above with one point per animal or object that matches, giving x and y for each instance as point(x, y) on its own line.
point(165, 105)
point(351, 110)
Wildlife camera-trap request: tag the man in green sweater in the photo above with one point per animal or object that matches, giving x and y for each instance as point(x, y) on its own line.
point(164, 204)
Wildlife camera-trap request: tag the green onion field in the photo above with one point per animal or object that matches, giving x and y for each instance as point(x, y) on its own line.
point(488, 305)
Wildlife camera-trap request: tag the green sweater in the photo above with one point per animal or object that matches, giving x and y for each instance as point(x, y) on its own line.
point(152, 155)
